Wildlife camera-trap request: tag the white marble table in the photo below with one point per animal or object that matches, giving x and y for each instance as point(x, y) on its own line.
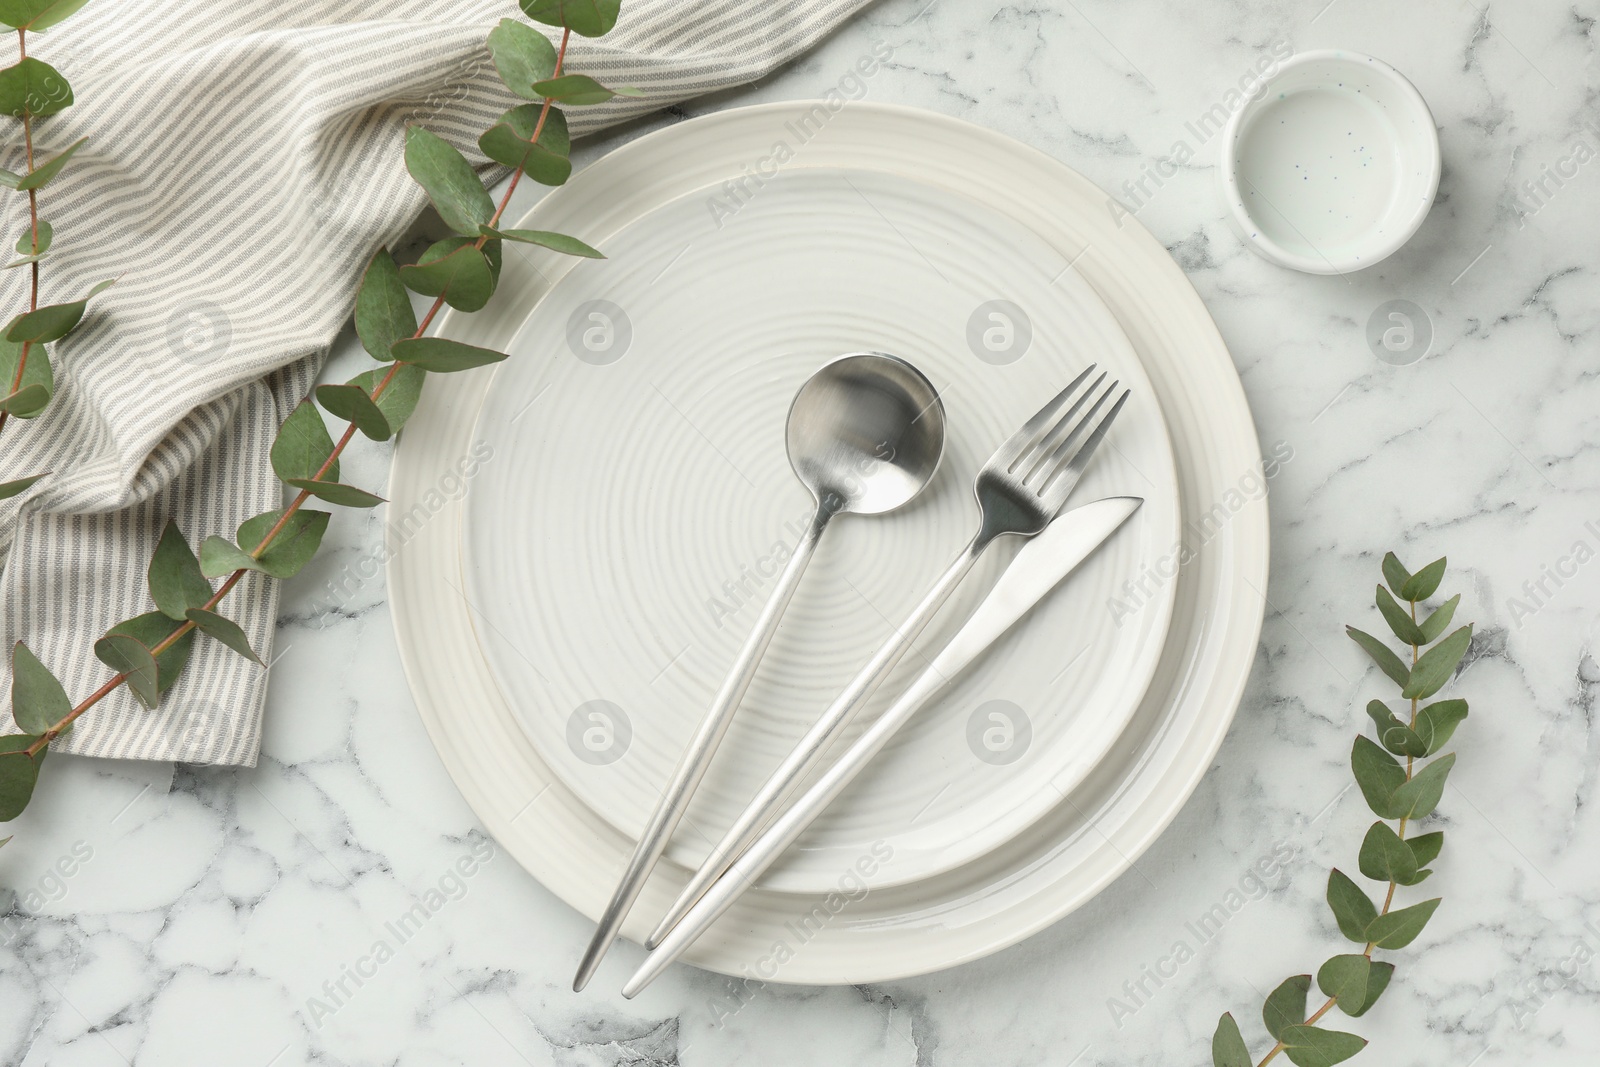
point(206, 907)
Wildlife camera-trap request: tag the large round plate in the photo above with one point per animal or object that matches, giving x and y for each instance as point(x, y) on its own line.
point(1112, 816)
point(619, 551)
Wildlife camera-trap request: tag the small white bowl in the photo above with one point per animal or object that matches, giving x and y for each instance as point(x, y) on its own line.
point(1332, 163)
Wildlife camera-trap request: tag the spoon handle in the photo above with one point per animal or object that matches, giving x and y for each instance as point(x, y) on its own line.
point(770, 800)
point(697, 756)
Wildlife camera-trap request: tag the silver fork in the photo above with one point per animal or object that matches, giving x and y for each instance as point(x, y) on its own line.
point(1020, 490)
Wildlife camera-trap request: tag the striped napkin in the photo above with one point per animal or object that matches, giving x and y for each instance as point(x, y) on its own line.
point(244, 161)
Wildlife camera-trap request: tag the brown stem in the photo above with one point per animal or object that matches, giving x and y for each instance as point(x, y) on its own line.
point(304, 494)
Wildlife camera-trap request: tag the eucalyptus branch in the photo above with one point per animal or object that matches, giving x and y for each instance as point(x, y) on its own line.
point(1354, 981)
point(30, 90)
point(149, 651)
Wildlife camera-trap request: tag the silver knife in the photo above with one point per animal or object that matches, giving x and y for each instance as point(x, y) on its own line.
point(1035, 571)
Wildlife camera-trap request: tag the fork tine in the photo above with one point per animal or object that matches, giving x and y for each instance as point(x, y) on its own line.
point(1034, 456)
point(1059, 483)
point(1040, 424)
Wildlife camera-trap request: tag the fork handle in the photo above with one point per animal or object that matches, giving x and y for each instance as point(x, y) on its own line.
point(702, 746)
point(770, 801)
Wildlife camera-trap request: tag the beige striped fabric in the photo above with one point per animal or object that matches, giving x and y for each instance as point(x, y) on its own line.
point(244, 161)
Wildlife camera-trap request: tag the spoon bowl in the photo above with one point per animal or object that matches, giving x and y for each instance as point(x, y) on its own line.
point(866, 433)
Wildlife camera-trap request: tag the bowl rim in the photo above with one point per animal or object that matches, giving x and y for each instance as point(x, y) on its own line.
point(1369, 253)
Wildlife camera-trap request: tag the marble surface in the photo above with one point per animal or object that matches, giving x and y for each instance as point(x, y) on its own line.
point(172, 916)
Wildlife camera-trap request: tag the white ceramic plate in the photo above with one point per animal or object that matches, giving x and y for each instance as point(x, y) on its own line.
point(619, 551)
point(1060, 860)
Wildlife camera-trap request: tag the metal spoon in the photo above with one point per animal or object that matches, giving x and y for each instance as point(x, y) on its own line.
point(865, 434)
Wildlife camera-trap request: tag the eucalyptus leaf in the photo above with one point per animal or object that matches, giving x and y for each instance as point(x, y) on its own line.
point(130, 656)
point(37, 15)
point(294, 545)
point(35, 88)
point(355, 405)
point(522, 55)
point(399, 398)
point(1310, 1046)
point(18, 485)
point(1424, 583)
point(444, 355)
point(1437, 722)
point(25, 245)
point(449, 180)
point(1425, 847)
point(303, 446)
point(1381, 654)
point(1398, 929)
point(1377, 981)
point(38, 700)
point(1385, 857)
point(1227, 1045)
point(38, 382)
point(1378, 775)
point(18, 773)
point(225, 630)
point(337, 493)
point(176, 584)
point(1433, 670)
point(1286, 1005)
point(580, 90)
point(559, 242)
point(1394, 735)
point(1399, 621)
point(1439, 620)
point(1352, 909)
point(383, 309)
point(150, 630)
point(1394, 573)
point(39, 177)
point(1344, 978)
point(587, 18)
point(510, 141)
point(454, 269)
point(55, 321)
point(26, 402)
point(1417, 798)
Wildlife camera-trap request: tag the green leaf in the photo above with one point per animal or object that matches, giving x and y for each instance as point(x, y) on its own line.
point(1435, 623)
point(449, 180)
point(1397, 618)
point(1227, 1045)
point(303, 446)
point(1395, 574)
point(225, 630)
point(1381, 654)
point(510, 141)
point(522, 55)
point(1309, 1046)
point(176, 584)
point(1395, 735)
point(150, 630)
point(39, 177)
point(294, 546)
point(1424, 583)
point(1378, 775)
point(336, 493)
point(443, 355)
point(18, 773)
point(354, 404)
point(130, 656)
point(399, 398)
point(1385, 857)
point(587, 18)
point(38, 701)
point(38, 379)
point(1344, 978)
point(1353, 910)
point(37, 15)
point(1436, 665)
point(1377, 981)
point(55, 321)
point(1417, 798)
point(26, 402)
point(1437, 722)
point(33, 88)
point(560, 242)
point(1286, 1005)
point(383, 309)
point(1425, 847)
point(454, 269)
point(1399, 928)
point(580, 90)
point(25, 242)
point(20, 485)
